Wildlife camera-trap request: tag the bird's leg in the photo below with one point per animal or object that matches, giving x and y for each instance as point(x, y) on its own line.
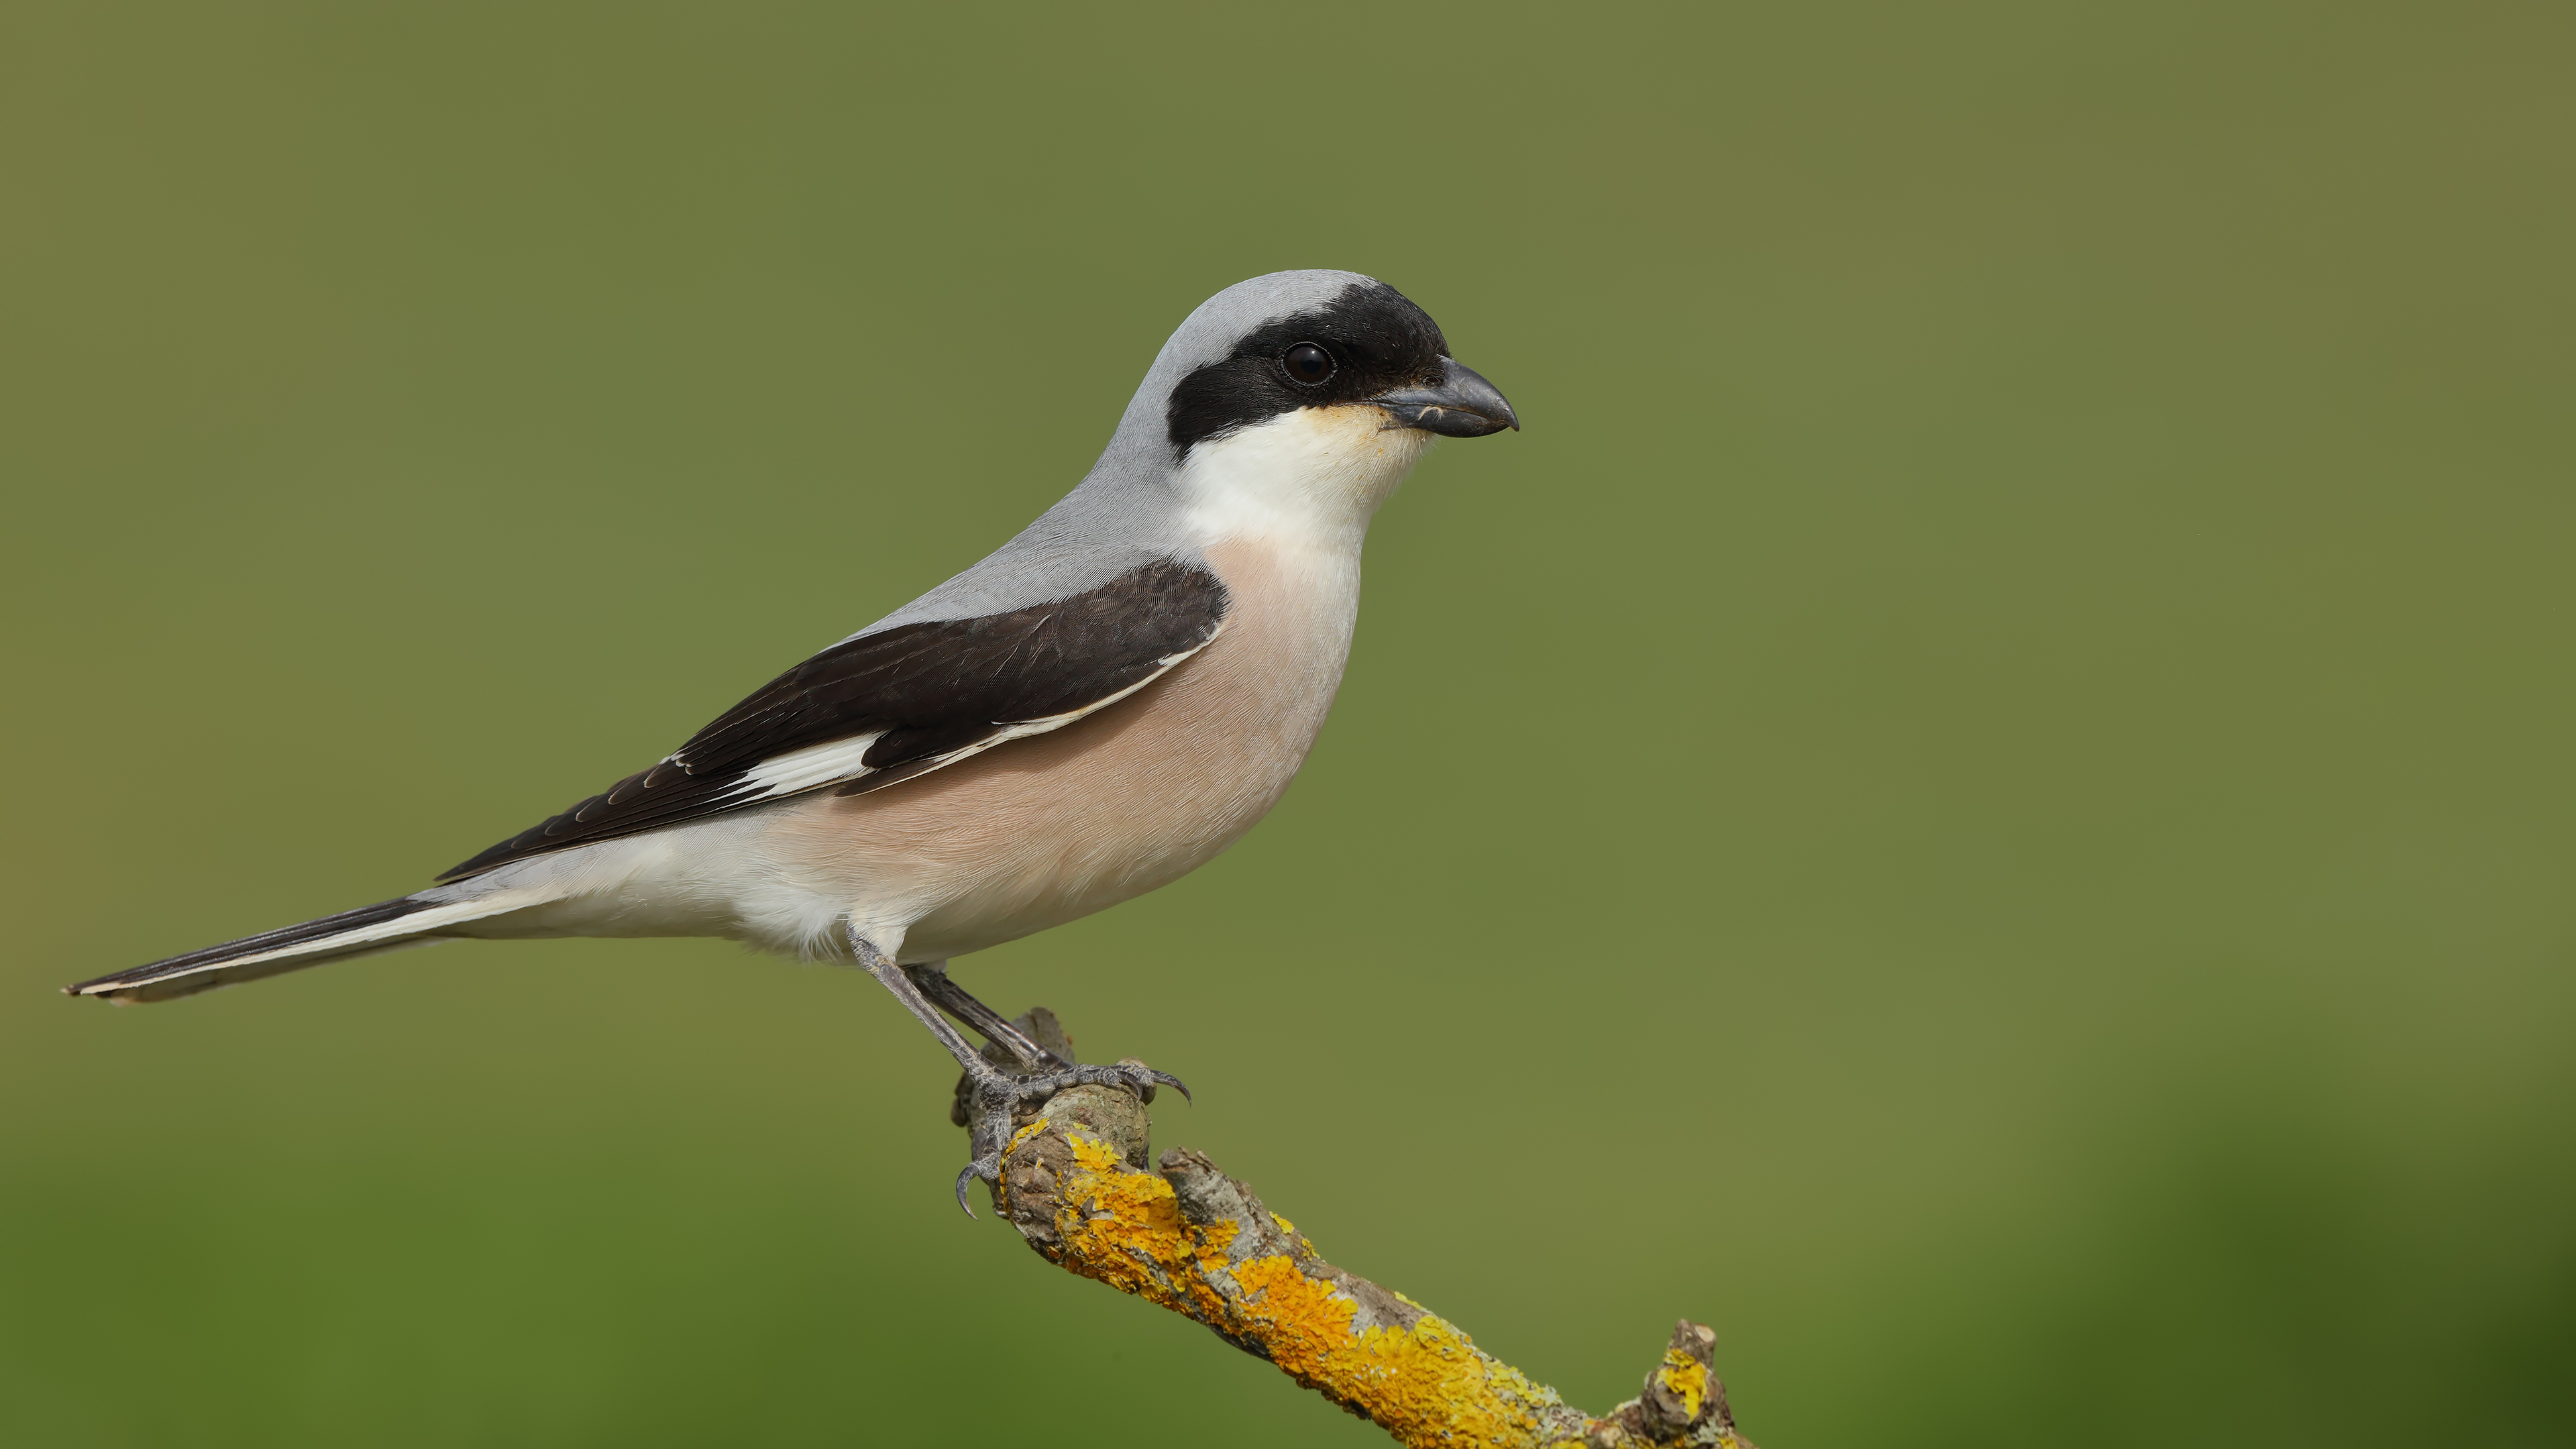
point(954, 999)
point(892, 978)
point(997, 1093)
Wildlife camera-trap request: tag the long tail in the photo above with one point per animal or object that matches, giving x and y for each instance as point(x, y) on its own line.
point(419, 920)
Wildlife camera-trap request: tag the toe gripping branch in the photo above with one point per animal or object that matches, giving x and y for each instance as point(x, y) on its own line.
point(1023, 1065)
point(1070, 1175)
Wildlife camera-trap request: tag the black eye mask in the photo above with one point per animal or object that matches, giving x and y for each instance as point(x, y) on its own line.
point(1369, 340)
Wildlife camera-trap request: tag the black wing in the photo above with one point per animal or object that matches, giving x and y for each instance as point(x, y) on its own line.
point(901, 702)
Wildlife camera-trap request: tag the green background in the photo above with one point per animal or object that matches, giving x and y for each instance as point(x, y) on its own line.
point(1983, 801)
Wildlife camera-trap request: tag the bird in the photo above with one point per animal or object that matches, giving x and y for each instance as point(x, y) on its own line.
point(1093, 710)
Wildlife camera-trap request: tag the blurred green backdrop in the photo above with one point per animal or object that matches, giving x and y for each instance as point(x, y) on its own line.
point(1983, 801)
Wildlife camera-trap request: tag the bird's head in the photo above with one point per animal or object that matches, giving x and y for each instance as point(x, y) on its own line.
point(1303, 398)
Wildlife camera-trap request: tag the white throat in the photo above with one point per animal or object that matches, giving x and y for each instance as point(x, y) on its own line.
point(1313, 477)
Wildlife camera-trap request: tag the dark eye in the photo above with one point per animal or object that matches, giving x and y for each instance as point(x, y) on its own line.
point(1307, 363)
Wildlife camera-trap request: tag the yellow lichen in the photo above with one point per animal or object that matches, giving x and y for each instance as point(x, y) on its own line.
point(1124, 1228)
point(1427, 1385)
point(1685, 1376)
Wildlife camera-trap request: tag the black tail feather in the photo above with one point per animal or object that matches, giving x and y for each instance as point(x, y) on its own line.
point(181, 975)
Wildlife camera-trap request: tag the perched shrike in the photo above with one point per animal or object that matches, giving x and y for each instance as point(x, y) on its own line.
point(1094, 710)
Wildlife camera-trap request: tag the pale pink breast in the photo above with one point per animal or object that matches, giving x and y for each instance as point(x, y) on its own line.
point(1051, 828)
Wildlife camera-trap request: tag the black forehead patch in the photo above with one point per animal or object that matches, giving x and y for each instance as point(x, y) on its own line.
point(1378, 340)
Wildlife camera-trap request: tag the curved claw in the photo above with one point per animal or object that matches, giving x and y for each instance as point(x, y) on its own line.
point(995, 1091)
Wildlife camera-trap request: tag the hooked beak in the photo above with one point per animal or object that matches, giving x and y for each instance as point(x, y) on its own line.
point(1460, 405)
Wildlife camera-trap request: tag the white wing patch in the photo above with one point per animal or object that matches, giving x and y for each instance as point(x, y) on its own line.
point(810, 768)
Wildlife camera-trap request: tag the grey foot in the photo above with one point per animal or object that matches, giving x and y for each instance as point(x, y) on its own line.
point(993, 1099)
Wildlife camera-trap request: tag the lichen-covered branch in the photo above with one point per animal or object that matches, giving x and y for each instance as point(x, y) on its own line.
point(1191, 1239)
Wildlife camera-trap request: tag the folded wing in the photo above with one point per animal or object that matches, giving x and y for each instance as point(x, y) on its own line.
point(902, 701)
